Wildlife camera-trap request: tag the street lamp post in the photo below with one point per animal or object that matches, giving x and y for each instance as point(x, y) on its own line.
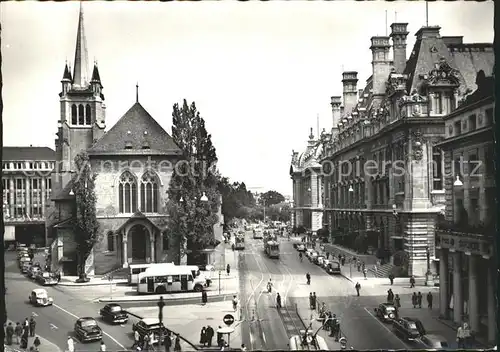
point(161, 304)
point(429, 281)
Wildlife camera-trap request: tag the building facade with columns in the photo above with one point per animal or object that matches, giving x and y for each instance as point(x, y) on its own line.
point(133, 162)
point(305, 172)
point(465, 234)
point(27, 188)
point(384, 180)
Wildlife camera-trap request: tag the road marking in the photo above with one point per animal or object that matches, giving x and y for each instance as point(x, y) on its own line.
point(33, 314)
point(53, 327)
point(74, 316)
point(264, 337)
point(386, 328)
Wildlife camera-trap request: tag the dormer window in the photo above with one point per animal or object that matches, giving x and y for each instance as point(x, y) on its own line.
point(146, 146)
point(128, 145)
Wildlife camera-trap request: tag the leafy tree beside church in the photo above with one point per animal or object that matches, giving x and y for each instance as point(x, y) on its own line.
point(85, 225)
point(191, 219)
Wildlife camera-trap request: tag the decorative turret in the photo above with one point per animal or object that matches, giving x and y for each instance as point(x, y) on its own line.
point(66, 80)
point(95, 81)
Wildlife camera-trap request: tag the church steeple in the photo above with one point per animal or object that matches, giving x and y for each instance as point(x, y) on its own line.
point(80, 73)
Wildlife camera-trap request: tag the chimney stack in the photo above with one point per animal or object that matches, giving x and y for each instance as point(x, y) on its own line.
point(399, 34)
point(381, 65)
point(335, 103)
point(350, 81)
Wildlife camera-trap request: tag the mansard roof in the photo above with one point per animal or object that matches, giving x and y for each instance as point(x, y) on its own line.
point(310, 158)
point(136, 133)
point(28, 154)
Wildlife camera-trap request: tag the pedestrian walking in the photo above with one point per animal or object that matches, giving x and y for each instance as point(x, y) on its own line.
point(364, 273)
point(235, 303)
point(315, 300)
point(37, 343)
point(311, 305)
point(278, 301)
point(327, 255)
point(358, 265)
point(343, 260)
point(19, 332)
point(429, 300)
point(363, 266)
point(219, 337)
point(419, 299)
point(414, 300)
point(243, 347)
point(397, 301)
point(412, 282)
point(26, 324)
point(228, 269)
point(177, 345)
point(390, 296)
point(463, 336)
point(70, 344)
point(9, 332)
point(204, 297)
point(168, 341)
point(358, 287)
point(32, 325)
point(391, 278)
point(102, 348)
point(210, 335)
point(203, 336)
point(339, 257)
point(137, 339)
point(24, 339)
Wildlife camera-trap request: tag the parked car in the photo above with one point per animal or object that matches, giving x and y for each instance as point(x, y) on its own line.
point(386, 312)
point(408, 328)
point(312, 256)
point(435, 341)
point(318, 260)
point(32, 272)
point(46, 278)
point(206, 267)
point(40, 297)
point(113, 313)
point(301, 248)
point(23, 260)
point(86, 330)
point(333, 268)
point(25, 267)
point(148, 325)
point(325, 263)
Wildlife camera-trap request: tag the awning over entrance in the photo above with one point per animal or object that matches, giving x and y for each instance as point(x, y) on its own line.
point(138, 215)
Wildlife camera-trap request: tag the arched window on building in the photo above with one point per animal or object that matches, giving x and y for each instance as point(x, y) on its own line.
point(111, 241)
point(81, 115)
point(127, 193)
point(87, 115)
point(74, 115)
point(149, 193)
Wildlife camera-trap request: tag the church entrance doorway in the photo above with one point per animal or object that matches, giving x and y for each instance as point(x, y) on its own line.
point(139, 235)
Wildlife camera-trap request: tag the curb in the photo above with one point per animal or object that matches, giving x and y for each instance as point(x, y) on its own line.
point(99, 283)
point(175, 299)
point(173, 332)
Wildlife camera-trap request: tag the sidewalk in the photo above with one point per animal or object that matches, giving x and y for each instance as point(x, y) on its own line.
point(94, 281)
point(45, 345)
point(308, 316)
point(189, 320)
point(168, 296)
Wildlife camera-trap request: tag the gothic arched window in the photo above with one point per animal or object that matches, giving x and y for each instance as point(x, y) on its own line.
point(81, 115)
point(149, 193)
point(74, 115)
point(127, 193)
point(87, 115)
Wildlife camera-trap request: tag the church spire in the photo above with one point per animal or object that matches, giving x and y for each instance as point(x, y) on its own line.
point(80, 74)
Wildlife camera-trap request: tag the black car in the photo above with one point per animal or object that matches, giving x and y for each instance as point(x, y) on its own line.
point(147, 326)
point(408, 328)
point(86, 329)
point(113, 313)
point(386, 312)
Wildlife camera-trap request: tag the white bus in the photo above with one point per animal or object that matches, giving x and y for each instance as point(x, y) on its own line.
point(169, 279)
point(135, 269)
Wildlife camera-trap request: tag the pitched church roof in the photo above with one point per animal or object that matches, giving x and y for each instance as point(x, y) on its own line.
point(136, 133)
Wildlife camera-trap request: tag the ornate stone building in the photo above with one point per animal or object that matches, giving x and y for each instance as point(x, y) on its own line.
point(305, 170)
point(383, 179)
point(133, 162)
point(27, 187)
point(465, 237)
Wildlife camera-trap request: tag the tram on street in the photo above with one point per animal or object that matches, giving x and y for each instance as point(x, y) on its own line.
point(239, 242)
point(272, 249)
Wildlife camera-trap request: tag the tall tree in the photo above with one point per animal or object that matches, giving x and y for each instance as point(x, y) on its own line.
point(191, 219)
point(85, 225)
point(271, 197)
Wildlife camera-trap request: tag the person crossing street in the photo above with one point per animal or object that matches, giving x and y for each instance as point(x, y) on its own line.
point(278, 300)
point(358, 288)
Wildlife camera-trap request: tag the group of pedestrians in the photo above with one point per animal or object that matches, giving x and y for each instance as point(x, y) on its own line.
point(19, 334)
point(312, 300)
point(206, 336)
point(144, 342)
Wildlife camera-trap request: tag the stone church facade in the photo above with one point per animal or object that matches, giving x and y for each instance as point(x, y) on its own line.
point(133, 162)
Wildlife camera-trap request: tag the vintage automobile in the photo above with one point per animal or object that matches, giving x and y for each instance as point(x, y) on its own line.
point(435, 342)
point(319, 260)
point(46, 278)
point(113, 313)
point(148, 325)
point(325, 263)
point(301, 247)
point(86, 329)
point(312, 256)
point(25, 267)
point(40, 297)
point(33, 271)
point(386, 312)
point(333, 268)
point(23, 260)
point(408, 329)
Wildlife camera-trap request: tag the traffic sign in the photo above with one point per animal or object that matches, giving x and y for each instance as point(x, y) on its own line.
point(228, 319)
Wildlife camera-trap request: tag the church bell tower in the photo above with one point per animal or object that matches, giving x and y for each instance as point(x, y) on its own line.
point(83, 112)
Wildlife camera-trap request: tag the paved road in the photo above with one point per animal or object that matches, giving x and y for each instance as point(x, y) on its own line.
point(56, 323)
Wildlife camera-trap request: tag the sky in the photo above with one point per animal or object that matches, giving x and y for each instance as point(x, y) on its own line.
point(260, 73)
